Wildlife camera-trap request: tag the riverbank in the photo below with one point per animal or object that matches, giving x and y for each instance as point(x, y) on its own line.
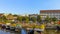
point(2, 31)
point(26, 25)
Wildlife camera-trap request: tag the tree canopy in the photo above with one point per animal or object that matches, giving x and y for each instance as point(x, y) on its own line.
point(39, 19)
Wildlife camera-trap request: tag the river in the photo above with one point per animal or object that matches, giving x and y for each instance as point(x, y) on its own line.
point(23, 31)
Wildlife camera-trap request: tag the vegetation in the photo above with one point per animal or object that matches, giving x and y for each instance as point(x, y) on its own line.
point(33, 19)
point(3, 18)
point(26, 19)
point(47, 19)
point(10, 19)
point(19, 18)
point(54, 19)
point(39, 18)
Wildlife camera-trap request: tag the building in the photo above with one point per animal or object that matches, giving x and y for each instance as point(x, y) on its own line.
point(33, 15)
point(43, 17)
point(51, 13)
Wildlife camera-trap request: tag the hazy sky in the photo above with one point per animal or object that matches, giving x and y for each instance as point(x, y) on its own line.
point(27, 6)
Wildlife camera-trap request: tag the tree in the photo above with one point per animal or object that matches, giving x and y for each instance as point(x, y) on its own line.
point(39, 18)
point(19, 18)
point(47, 19)
point(33, 19)
point(25, 19)
point(3, 18)
point(15, 15)
point(54, 19)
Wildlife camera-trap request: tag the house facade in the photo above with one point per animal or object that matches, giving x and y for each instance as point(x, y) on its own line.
point(50, 13)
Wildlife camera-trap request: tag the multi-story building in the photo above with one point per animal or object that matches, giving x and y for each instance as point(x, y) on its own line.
point(51, 13)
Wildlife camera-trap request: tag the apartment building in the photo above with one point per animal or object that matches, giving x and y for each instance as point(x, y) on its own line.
point(50, 13)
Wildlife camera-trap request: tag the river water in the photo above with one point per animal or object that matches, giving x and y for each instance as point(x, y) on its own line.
point(8, 32)
point(4, 31)
point(23, 31)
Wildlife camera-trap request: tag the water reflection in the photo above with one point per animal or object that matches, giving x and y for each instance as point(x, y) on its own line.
point(4, 31)
point(8, 32)
point(23, 31)
point(51, 32)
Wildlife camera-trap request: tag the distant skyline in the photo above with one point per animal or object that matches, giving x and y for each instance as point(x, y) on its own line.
point(28, 6)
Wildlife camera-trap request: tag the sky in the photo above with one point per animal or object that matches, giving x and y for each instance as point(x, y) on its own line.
point(28, 6)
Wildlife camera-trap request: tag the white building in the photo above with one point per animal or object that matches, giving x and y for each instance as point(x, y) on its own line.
point(51, 13)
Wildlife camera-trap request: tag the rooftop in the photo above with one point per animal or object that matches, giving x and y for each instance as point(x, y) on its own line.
point(55, 11)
